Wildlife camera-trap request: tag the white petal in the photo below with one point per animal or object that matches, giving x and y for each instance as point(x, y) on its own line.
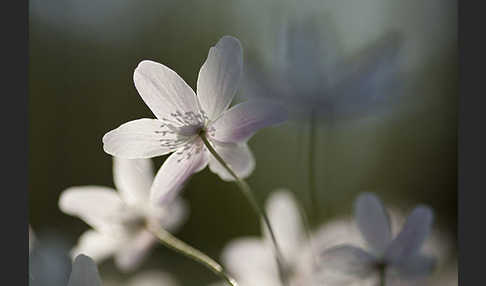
point(416, 266)
point(174, 173)
point(347, 259)
point(219, 76)
point(100, 207)
point(97, 245)
point(285, 219)
point(172, 215)
point(84, 272)
point(153, 278)
point(410, 239)
point(132, 254)
point(138, 139)
point(163, 90)
point(133, 179)
point(373, 222)
point(237, 156)
point(251, 262)
point(241, 121)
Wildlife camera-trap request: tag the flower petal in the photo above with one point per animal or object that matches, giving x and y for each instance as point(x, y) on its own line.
point(172, 215)
point(241, 121)
point(219, 76)
point(347, 259)
point(238, 157)
point(373, 222)
point(100, 207)
point(84, 272)
point(174, 173)
point(251, 262)
point(163, 90)
point(416, 266)
point(129, 257)
point(410, 239)
point(133, 179)
point(285, 219)
point(137, 139)
point(97, 245)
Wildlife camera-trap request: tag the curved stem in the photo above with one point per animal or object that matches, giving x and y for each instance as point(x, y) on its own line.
point(311, 170)
point(178, 245)
point(245, 188)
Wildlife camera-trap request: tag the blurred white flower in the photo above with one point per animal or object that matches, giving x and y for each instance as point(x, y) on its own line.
point(312, 76)
point(182, 116)
point(401, 257)
point(252, 262)
point(251, 259)
point(119, 219)
point(84, 272)
point(145, 278)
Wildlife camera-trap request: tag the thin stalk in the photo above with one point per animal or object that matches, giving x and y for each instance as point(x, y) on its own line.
point(382, 276)
point(178, 245)
point(314, 202)
point(245, 188)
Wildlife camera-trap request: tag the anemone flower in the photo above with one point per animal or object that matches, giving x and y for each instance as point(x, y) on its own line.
point(313, 78)
point(251, 260)
point(387, 256)
point(184, 118)
point(120, 218)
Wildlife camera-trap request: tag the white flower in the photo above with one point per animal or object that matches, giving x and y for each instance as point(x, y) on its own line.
point(251, 260)
point(182, 116)
point(119, 219)
point(400, 257)
point(84, 272)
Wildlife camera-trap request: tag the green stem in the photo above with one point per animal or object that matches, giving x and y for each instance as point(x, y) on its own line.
point(382, 276)
point(311, 170)
point(245, 188)
point(178, 245)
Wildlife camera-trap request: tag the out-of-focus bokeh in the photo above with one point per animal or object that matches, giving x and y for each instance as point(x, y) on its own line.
point(82, 58)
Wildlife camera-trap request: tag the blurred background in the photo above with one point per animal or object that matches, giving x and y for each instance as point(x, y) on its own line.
point(82, 58)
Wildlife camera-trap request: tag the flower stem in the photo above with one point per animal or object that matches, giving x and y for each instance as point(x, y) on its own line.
point(178, 245)
point(382, 276)
point(314, 203)
point(245, 188)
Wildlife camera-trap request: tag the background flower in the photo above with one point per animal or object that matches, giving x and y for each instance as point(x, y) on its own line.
point(119, 218)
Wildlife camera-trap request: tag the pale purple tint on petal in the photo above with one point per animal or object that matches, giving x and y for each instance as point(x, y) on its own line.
point(409, 241)
point(241, 121)
point(175, 171)
point(238, 157)
point(373, 222)
point(219, 76)
point(416, 266)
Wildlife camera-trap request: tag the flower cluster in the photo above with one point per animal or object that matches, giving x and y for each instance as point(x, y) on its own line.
point(200, 129)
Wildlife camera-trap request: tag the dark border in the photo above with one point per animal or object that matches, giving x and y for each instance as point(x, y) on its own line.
point(471, 144)
point(14, 203)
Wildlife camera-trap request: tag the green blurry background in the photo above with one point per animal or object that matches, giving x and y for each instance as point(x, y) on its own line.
point(82, 58)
